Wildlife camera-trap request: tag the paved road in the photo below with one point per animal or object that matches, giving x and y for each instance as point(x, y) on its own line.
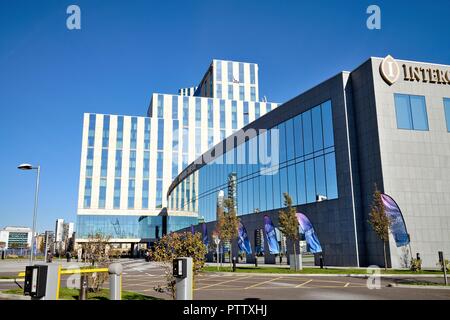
point(143, 277)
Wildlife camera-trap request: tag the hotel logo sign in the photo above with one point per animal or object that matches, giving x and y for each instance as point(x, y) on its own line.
point(390, 72)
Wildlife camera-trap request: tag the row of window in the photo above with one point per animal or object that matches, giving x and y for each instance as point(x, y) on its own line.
point(230, 74)
point(411, 112)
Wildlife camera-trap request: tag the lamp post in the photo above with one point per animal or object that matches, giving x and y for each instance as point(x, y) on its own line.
point(27, 166)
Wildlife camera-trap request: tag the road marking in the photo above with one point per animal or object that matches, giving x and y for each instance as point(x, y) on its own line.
point(259, 283)
point(219, 283)
point(302, 284)
point(347, 284)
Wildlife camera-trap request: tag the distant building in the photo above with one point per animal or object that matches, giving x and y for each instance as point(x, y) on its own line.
point(63, 235)
point(15, 237)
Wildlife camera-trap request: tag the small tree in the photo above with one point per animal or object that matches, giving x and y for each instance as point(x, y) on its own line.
point(96, 250)
point(228, 224)
point(175, 245)
point(380, 221)
point(289, 224)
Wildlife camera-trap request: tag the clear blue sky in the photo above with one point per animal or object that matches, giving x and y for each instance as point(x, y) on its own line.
point(126, 50)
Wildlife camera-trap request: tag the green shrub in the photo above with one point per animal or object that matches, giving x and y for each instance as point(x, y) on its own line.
point(416, 265)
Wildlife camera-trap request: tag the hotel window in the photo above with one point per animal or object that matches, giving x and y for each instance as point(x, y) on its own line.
point(102, 193)
point(105, 138)
point(230, 71)
point(160, 134)
point(447, 112)
point(89, 162)
point(147, 134)
point(87, 193)
point(146, 165)
point(210, 137)
point(159, 165)
point(160, 108)
point(175, 133)
point(219, 91)
point(104, 163)
point(132, 171)
point(198, 142)
point(222, 114)
point(119, 140)
point(219, 71)
point(131, 187)
point(252, 94)
point(246, 113)
point(145, 185)
point(241, 73)
point(174, 107)
point(118, 164)
point(133, 133)
point(252, 73)
point(174, 165)
point(116, 193)
point(91, 132)
point(411, 112)
point(198, 112)
point(257, 110)
point(234, 115)
point(268, 107)
point(185, 140)
point(210, 113)
point(241, 93)
point(230, 92)
point(158, 193)
point(185, 111)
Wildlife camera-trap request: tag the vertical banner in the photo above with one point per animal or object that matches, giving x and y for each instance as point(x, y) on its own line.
point(243, 241)
point(271, 236)
point(192, 229)
point(205, 234)
point(307, 229)
point(398, 225)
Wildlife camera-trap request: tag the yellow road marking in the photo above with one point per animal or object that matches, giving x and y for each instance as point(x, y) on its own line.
point(219, 283)
point(260, 283)
point(302, 284)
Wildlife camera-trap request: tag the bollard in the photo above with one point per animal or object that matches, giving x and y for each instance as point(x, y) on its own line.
point(115, 281)
point(183, 273)
point(321, 260)
point(83, 287)
point(234, 264)
point(256, 260)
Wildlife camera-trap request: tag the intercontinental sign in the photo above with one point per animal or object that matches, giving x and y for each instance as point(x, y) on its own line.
point(391, 71)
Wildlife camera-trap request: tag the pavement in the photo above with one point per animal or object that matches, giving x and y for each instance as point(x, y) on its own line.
point(144, 277)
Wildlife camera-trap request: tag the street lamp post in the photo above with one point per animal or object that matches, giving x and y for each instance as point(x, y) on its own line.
point(27, 166)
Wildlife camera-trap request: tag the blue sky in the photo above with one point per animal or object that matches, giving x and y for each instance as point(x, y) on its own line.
point(50, 76)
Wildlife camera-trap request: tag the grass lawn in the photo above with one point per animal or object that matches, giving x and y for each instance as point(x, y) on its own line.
point(72, 294)
point(313, 270)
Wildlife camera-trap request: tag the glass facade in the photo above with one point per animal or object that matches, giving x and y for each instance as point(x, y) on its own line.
point(120, 227)
point(411, 112)
point(306, 168)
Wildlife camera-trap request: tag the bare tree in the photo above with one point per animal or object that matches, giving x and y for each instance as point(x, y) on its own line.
point(289, 224)
point(380, 221)
point(96, 250)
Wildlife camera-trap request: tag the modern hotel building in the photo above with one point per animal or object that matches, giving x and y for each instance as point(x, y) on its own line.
point(387, 122)
point(128, 162)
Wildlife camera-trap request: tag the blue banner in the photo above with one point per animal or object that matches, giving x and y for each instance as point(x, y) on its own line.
point(271, 236)
point(243, 241)
point(398, 225)
point(205, 234)
point(307, 229)
point(192, 229)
